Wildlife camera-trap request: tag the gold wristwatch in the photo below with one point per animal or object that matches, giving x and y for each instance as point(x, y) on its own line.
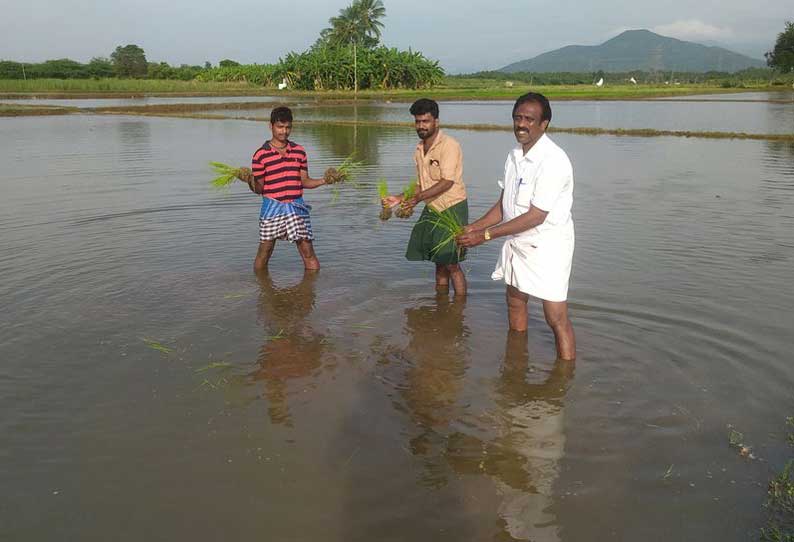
point(487, 234)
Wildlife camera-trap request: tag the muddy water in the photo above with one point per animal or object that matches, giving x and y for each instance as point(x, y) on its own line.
point(355, 404)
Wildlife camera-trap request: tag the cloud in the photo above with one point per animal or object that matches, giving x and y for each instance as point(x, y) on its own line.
point(693, 29)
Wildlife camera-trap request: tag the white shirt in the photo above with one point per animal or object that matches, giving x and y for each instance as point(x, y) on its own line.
point(542, 178)
point(538, 261)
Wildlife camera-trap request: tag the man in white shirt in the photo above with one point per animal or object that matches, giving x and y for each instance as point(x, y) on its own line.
point(534, 215)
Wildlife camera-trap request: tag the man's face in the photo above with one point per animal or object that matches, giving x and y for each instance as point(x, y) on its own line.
point(281, 130)
point(527, 125)
point(426, 126)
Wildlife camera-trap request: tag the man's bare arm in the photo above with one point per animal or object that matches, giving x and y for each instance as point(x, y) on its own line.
point(491, 218)
point(308, 182)
point(531, 219)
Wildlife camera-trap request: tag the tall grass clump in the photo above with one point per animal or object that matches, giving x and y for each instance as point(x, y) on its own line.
point(780, 501)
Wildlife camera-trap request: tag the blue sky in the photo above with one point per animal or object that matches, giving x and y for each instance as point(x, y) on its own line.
point(464, 36)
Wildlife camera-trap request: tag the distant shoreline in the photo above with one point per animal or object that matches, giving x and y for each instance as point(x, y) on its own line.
point(123, 89)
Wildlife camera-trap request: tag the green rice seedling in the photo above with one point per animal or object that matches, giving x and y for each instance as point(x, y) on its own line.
point(157, 346)
point(346, 171)
point(214, 365)
point(277, 336)
point(335, 193)
point(450, 226)
point(383, 192)
point(408, 193)
point(227, 174)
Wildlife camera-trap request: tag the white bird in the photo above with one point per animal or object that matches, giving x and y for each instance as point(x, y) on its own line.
point(283, 84)
point(633, 80)
point(600, 82)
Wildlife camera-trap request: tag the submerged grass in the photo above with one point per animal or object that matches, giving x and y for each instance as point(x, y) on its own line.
point(780, 501)
point(157, 346)
point(280, 335)
point(214, 365)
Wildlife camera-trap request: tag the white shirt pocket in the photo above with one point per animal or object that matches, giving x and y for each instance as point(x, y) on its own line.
point(523, 195)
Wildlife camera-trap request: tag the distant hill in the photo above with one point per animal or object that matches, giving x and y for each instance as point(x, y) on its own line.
point(637, 50)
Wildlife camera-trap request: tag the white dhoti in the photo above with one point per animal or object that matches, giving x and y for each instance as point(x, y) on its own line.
point(538, 265)
point(538, 261)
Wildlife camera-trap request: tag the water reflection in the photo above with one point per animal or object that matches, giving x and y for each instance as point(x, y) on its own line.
point(436, 357)
point(783, 149)
point(343, 140)
point(292, 349)
point(134, 132)
point(526, 442)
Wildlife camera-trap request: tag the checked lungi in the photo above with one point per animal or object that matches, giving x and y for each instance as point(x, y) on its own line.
point(288, 221)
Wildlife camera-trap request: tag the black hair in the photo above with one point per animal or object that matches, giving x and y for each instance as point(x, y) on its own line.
point(539, 99)
point(424, 105)
point(281, 114)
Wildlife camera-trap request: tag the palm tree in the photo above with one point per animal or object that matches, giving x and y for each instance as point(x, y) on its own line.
point(358, 23)
point(369, 13)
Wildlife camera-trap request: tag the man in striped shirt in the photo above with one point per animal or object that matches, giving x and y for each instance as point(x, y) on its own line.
point(280, 173)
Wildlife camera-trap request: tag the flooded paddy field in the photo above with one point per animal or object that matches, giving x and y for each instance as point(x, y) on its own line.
point(151, 386)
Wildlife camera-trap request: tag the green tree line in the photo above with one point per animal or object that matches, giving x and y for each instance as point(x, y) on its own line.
point(346, 55)
point(97, 68)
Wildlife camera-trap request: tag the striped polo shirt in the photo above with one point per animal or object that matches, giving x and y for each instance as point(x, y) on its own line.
point(280, 176)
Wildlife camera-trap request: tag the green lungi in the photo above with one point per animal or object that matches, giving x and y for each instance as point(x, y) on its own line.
point(425, 237)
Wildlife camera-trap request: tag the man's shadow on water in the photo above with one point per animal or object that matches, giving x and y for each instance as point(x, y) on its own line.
point(522, 457)
point(292, 350)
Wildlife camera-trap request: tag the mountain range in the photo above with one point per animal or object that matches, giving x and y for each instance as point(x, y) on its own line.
point(637, 50)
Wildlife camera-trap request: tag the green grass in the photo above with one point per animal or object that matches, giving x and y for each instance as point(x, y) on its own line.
point(125, 86)
point(451, 88)
point(493, 90)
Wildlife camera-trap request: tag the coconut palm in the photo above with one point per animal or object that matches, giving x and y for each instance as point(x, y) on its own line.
point(369, 13)
point(357, 24)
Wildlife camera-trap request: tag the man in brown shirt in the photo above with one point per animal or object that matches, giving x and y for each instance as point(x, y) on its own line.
point(439, 168)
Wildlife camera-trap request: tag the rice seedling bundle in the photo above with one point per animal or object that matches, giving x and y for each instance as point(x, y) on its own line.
point(383, 192)
point(346, 171)
point(227, 174)
point(450, 226)
point(408, 192)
